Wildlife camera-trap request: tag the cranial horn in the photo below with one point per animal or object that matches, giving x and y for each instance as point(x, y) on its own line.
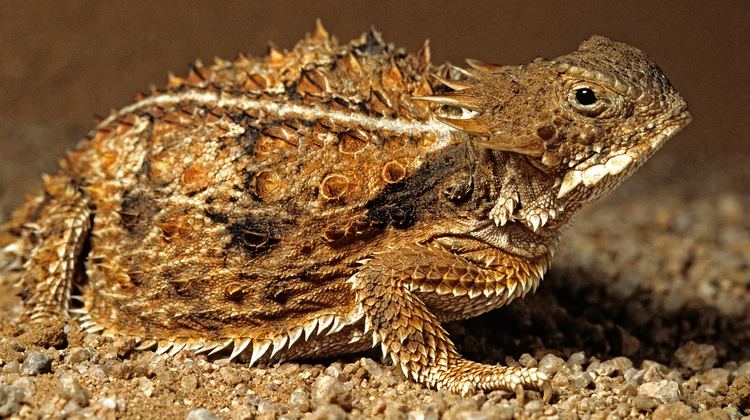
point(529, 146)
point(453, 84)
point(469, 125)
point(483, 66)
point(456, 99)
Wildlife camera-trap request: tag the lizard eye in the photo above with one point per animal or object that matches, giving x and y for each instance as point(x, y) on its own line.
point(585, 96)
point(585, 100)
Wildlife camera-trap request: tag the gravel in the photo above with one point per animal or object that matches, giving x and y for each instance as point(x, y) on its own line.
point(645, 313)
point(36, 363)
point(71, 390)
point(696, 356)
point(10, 400)
point(664, 391)
point(200, 414)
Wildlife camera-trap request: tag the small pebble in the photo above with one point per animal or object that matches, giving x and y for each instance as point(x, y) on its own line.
point(634, 376)
point(577, 359)
point(108, 403)
point(335, 371)
point(12, 367)
point(653, 371)
point(644, 403)
point(664, 391)
point(372, 367)
point(26, 384)
point(714, 380)
point(581, 380)
point(326, 389)
point(36, 363)
point(78, 354)
point(463, 410)
point(70, 389)
point(676, 410)
point(696, 356)
point(526, 360)
point(200, 414)
point(10, 400)
point(189, 383)
point(267, 407)
point(550, 363)
point(299, 400)
point(146, 386)
point(328, 412)
point(742, 370)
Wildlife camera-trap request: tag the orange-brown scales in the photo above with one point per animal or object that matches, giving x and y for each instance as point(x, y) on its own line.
point(333, 198)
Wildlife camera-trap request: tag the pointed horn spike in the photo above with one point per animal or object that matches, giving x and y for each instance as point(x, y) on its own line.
point(424, 53)
point(324, 322)
point(453, 99)
point(453, 84)
point(163, 347)
point(239, 347)
point(177, 347)
point(279, 344)
point(462, 71)
point(260, 347)
point(221, 346)
point(95, 329)
point(295, 335)
point(529, 146)
point(320, 31)
point(146, 345)
point(196, 347)
point(310, 328)
point(206, 347)
point(510, 285)
point(469, 125)
point(338, 325)
point(384, 349)
point(483, 66)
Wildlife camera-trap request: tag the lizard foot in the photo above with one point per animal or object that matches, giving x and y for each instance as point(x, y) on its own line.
point(502, 212)
point(537, 218)
point(466, 377)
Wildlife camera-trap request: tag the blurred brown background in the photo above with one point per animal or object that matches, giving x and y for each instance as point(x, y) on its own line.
point(64, 62)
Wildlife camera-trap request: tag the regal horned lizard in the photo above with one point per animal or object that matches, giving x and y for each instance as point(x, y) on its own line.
point(334, 198)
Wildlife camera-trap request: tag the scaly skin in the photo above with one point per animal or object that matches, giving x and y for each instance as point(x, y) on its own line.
point(333, 198)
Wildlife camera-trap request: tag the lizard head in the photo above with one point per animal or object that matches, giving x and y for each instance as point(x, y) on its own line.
point(588, 118)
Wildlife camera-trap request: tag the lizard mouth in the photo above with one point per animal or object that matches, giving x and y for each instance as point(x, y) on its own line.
point(624, 161)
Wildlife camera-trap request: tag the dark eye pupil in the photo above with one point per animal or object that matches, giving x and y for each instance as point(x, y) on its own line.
point(585, 96)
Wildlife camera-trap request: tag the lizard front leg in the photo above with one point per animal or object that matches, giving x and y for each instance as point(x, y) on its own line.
point(412, 335)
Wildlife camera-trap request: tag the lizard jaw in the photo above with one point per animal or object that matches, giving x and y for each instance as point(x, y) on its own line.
point(625, 159)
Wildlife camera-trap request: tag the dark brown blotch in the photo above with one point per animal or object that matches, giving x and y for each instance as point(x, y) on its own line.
point(253, 236)
point(235, 292)
point(546, 132)
point(135, 212)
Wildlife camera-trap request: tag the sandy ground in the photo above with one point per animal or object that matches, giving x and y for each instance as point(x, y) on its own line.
point(644, 313)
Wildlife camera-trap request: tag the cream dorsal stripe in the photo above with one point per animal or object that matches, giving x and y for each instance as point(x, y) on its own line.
point(283, 110)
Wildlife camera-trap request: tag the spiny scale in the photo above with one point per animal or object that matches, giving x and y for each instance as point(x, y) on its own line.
point(332, 198)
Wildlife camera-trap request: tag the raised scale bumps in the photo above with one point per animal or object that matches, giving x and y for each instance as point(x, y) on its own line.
point(333, 198)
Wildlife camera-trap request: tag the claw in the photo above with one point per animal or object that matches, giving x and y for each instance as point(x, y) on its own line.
point(546, 392)
point(518, 389)
point(544, 218)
